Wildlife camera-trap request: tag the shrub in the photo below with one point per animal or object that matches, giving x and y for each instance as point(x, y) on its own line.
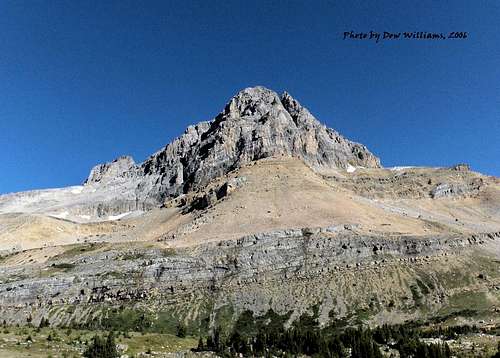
point(44, 322)
point(181, 330)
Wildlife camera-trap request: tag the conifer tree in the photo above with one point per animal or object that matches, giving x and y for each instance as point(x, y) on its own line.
point(100, 348)
point(201, 346)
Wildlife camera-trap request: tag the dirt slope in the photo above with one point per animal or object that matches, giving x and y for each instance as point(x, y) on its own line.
point(283, 193)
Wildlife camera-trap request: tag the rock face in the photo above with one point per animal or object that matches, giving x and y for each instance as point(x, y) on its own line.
point(121, 167)
point(254, 272)
point(452, 190)
point(255, 124)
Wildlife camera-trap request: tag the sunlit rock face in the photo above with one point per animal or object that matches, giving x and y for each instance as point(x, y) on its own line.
point(256, 123)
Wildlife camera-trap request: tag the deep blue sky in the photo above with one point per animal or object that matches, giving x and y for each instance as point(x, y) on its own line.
point(82, 82)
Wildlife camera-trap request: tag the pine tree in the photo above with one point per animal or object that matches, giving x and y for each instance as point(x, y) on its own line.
point(497, 354)
point(111, 346)
point(216, 339)
point(210, 343)
point(181, 330)
point(44, 322)
point(100, 348)
point(201, 346)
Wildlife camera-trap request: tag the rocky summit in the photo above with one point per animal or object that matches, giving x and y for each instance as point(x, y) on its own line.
point(262, 213)
point(256, 123)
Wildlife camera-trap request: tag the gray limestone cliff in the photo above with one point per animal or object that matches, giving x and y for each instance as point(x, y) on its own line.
point(255, 124)
point(122, 166)
point(283, 270)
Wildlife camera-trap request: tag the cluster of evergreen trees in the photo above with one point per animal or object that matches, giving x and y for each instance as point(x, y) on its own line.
point(266, 336)
point(102, 348)
point(406, 339)
point(452, 332)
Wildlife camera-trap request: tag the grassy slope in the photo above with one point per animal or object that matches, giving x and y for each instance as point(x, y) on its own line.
point(70, 343)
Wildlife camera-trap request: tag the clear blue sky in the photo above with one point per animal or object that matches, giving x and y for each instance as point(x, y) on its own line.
point(82, 82)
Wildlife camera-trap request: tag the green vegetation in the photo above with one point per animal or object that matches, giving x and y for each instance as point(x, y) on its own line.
point(449, 332)
point(497, 354)
point(363, 314)
point(475, 299)
point(164, 322)
point(133, 256)
point(250, 334)
point(465, 304)
point(114, 274)
point(168, 252)
point(417, 296)
point(181, 330)
point(77, 249)
point(44, 322)
point(37, 342)
point(423, 288)
point(63, 266)
point(137, 320)
point(224, 318)
point(256, 336)
point(124, 320)
point(102, 348)
point(3, 258)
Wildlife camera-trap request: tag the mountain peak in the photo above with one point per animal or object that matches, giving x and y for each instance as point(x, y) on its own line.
point(252, 102)
point(256, 123)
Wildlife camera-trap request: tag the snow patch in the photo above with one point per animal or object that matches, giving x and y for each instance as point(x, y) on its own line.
point(86, 217)
point(62, 215)
point(119, 216)
point(76, 189)
point(350, 168)
point(400, 168)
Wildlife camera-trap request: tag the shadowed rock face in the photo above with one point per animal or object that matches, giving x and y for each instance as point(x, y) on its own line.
point(255, 124)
